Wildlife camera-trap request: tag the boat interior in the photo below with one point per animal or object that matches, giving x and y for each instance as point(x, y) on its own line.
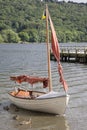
point(26, 93)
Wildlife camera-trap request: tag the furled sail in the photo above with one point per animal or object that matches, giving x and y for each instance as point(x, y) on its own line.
point(56, 53)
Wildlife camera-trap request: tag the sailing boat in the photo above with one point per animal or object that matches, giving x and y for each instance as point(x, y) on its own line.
point(50, 102)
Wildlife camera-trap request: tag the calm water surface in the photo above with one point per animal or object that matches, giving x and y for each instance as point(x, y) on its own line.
point(16, 59)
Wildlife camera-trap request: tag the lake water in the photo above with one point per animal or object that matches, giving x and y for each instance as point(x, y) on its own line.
point(30, 59)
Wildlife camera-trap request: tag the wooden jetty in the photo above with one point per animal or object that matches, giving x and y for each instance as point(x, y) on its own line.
point(72, 54)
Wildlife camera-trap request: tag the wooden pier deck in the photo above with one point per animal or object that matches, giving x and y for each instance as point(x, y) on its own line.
point(72, 54)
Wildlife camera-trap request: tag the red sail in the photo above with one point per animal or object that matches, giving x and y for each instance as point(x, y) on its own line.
point(56, 52)
point(55, 45)
point(62, 80)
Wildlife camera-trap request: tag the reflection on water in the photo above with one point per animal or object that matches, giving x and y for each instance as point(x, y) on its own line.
point(39, 121)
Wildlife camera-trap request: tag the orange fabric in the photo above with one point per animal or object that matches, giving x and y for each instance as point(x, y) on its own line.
point(30, 79)
point(23, 94)
point(20, 93)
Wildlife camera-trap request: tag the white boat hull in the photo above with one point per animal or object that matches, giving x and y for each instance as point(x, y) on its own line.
point(53, 105)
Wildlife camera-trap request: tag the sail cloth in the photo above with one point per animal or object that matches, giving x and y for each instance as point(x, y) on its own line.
point(55, 45)
point(30, 79)
point(56, 53)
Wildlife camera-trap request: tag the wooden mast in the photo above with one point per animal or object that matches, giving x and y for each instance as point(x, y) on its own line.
point(48, 50)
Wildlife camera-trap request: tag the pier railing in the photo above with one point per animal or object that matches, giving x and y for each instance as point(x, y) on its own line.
point(72, 54)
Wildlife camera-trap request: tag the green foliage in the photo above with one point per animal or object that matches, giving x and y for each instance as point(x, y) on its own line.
point(21, 20)
point(24, 36)
point(33, 36)
point(10, 36)
point(1, 39)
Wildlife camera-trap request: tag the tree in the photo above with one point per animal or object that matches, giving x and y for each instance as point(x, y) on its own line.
point(24, 36)
point(33, 37)
point(1, 39)
point(61, 36)
point(69, 36)
point(10, 36)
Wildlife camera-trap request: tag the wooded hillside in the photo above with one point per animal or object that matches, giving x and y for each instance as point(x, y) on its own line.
point(20, 20)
